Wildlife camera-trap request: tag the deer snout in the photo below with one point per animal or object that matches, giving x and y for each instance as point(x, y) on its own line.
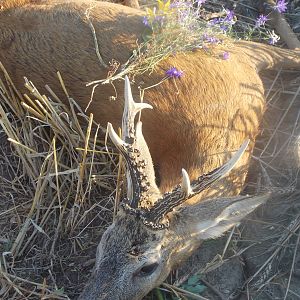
point(109, 283)
point(103, 284)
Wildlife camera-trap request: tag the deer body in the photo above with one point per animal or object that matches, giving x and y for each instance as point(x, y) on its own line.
point(219, 105)
point(215, 109)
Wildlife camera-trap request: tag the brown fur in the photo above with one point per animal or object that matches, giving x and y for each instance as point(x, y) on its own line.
point(195, 124)
point(218, 106)
point(7, 4)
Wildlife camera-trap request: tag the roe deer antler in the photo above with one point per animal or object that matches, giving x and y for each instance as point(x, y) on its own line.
point(140, 171)
point(133, 147)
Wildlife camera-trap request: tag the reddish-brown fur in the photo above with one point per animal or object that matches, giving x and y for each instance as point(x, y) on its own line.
point(194, 124)
point(5, 4)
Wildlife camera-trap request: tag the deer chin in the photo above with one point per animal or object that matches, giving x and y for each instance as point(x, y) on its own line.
point(95, 290)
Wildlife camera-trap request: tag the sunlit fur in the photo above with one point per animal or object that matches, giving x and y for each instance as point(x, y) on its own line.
point(196, 121)
point(5, 4)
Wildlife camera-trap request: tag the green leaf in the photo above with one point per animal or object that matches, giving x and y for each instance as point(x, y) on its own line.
point(193, 280)
point(193, 285)
point(159, 294)
point(147, 34)
point(197, 289)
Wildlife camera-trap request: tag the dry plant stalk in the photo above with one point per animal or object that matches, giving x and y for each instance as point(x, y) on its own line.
point(55, 198)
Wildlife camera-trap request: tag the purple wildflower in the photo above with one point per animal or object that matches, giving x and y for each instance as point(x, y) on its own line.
point(159, 20)
point(179, 4)
point(200, 2)
point(146, 21)
point(174, 73)
point(274, 38)
point(225, 55)
point(261, 20)
point(214, 21)
point(210, 39)
point(229, 16)
point(176, 4)
point(225, 22)
point(224, 27)
point(281, 6)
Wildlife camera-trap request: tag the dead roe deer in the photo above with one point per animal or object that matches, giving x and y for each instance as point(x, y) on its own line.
point(196, 125)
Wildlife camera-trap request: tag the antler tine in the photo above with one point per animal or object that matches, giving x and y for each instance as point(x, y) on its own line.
point(133, 147)
point(133, 189)
point(206, 180)
point(187, 190)
point(131, 108)
point(186, 183)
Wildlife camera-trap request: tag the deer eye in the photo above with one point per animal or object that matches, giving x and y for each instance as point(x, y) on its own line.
point(134, 251)
point(147, 270)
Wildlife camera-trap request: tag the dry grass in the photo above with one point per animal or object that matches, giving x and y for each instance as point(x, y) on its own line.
point(53, 206)
point(278, 224)
point(268, 242)
point(169, 30)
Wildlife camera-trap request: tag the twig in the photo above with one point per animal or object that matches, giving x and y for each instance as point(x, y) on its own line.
point(87, 14)
point(184, 292)
point(216, 291)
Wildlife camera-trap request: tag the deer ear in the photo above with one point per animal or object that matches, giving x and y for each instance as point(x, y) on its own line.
point(211, 218)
